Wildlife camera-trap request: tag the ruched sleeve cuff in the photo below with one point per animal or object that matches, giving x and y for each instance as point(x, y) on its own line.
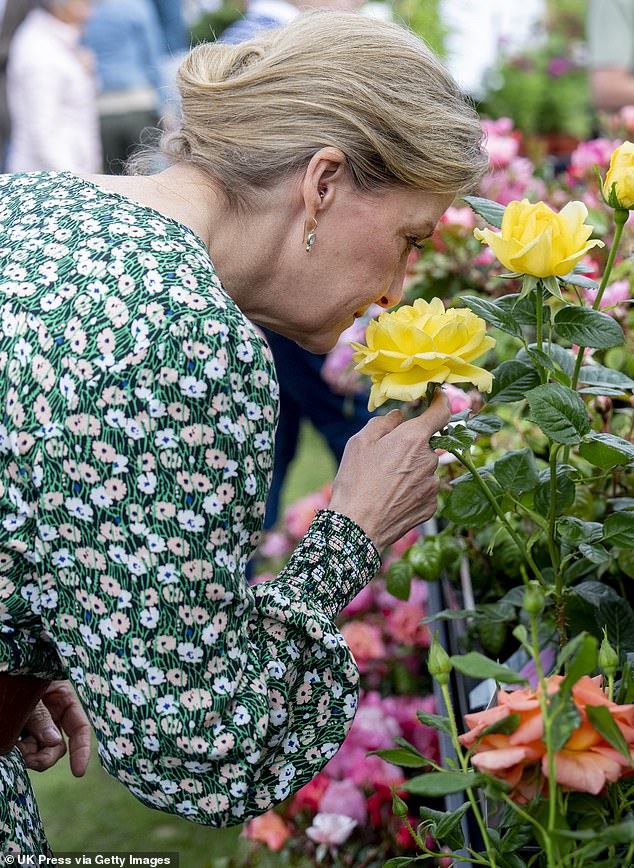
point(333, 562)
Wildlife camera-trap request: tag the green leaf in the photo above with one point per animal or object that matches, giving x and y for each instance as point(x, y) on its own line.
point(467, 505)
point(476, 665)
point(492, 313)
point(400, 756)
point(506, 726)
point(599, 375)
point(449, 615)
point(485, 423)
point(601, 719)
point(448, 829)
point(563, 358)
point(582, 662)
point(551, 285)
point(564, 490)
point(399, 862)
point(588, 328)
point(435, 721)
point(517, 471)
point(621, 504)
point(537, 357)
point(603, 391)
point(625, 561)
point(523, 308)
point(398, 580)
point(606, 450)
point(512, 380)
point(565, 719)
point(437, 784)
point(575, 531)
point(455, 439)
point(618, 530)
point(569, 650)
point(596, 554)
point(579, 280)
point(560, 413)
point(492, 212)
point(621, 833)
point(611, 611)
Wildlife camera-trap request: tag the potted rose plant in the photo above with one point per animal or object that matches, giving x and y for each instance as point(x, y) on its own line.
point(547, 468)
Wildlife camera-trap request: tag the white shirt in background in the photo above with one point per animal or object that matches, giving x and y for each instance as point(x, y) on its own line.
point(51, 92)
point(480, 32)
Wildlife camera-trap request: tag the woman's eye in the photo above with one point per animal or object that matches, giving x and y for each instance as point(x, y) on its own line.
point(414, 242)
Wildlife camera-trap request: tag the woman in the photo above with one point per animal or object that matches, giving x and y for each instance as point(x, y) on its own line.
point(139, 409)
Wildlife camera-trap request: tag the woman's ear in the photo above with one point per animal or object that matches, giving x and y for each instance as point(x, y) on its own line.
point(323, 175)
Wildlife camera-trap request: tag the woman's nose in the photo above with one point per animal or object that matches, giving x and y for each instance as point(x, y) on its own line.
point(395, 292)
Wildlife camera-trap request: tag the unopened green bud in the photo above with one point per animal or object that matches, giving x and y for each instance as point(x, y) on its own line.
point(608, 658)
point(399, 808)
point(438, 662)
point(534, 598)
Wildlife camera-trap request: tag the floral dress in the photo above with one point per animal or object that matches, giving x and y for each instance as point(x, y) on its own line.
point(137, 416)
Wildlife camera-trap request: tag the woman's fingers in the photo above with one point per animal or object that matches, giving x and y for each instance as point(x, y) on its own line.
point(42, 744)
point(386, 480)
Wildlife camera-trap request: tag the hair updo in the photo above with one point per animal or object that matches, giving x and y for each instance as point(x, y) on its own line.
point(255, 113)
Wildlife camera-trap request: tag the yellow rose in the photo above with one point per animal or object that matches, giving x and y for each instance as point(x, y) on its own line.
point(420, 344)
point(536, 240)
point(619, 181)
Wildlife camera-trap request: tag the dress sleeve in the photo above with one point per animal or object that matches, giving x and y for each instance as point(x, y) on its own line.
point(210, 699)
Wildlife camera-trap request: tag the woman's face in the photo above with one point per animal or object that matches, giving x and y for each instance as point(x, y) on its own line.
point(359, 257)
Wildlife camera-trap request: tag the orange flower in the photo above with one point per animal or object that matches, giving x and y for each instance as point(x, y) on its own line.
point(268, 828)
point(586, 763)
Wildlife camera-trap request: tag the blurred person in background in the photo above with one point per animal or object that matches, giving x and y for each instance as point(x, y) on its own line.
point(126, 39)
point(304, 394)
point(51, 92)
point(12, 14)
point(478, 33)
point(172, 23)
point(610, 38)
point(265, 14)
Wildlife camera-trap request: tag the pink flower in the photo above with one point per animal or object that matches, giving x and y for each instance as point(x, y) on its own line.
point(361, 603)
point(614, 294)
point(310, 795)
point(587, 155)
point(458, 399)
point(464, 218)
point(275, 545)
point(263, 577)
point(298, 515)
point(342, 797)
point(385, 601)
point(516, 181)
point(333, 829)
point(501, 143)
point(268, 828)
point(627, 117)
point(404, 625)
point(365, 642)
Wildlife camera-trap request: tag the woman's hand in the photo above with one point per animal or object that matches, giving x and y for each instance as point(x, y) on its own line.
point(43, 744)
point(387, 479)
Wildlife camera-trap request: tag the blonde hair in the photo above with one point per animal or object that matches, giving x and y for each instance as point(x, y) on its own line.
point(256, 112)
